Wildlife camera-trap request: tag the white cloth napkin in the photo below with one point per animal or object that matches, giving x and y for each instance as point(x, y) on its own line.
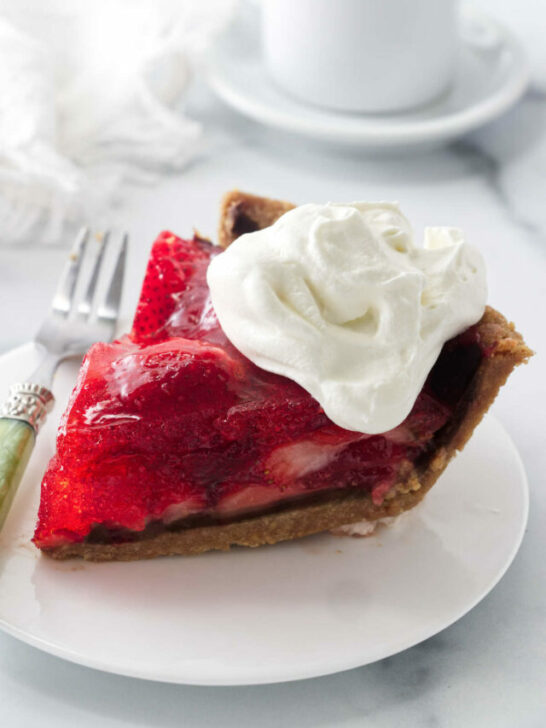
point(90, 97)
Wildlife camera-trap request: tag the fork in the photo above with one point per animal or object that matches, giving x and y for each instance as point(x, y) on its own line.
point(73, 323)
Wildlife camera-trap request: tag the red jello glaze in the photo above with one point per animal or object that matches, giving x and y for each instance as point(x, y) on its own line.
point(126, 394)
point(73, 500)
point(172, 419)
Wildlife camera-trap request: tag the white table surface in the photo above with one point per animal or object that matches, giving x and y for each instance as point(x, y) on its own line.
point(489, 669)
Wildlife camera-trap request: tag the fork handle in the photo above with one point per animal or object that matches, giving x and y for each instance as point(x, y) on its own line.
point(20, 418)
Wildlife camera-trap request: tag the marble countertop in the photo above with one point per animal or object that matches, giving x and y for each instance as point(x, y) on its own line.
point(488, 669)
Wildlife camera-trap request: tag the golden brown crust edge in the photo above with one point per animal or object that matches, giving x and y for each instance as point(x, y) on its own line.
point(508, 350)
point(242, 213)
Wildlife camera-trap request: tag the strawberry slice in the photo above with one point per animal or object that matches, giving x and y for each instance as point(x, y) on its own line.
point(174, 282)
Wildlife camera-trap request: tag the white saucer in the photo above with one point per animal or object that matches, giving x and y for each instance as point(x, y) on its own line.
point(492, 75)
point(297, 610)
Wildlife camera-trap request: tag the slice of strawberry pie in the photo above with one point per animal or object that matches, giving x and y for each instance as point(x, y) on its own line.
point(173, 442)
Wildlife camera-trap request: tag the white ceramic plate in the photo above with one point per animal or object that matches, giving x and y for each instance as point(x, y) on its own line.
point(492, 75)
point(290, 611)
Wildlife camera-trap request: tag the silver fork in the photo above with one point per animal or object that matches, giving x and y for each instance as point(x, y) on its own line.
point(73, 323)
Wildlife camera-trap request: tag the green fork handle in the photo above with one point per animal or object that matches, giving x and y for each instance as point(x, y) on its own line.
point(21, 416)
point(16, 444)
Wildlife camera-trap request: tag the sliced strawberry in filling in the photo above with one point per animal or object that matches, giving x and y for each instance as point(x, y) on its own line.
point(171, 423)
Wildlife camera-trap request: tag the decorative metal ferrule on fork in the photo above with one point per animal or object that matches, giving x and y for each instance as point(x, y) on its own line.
point(29, 403)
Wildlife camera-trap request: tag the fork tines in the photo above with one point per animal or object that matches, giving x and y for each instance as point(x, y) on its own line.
point(99, 297)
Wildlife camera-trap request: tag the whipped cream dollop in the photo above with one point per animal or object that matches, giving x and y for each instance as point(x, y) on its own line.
point(338, 298)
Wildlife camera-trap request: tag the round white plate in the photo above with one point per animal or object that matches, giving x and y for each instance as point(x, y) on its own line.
point(492, 75)
point(290, 611)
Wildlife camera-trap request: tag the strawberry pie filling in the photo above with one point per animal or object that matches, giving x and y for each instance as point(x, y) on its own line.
point(171, 426)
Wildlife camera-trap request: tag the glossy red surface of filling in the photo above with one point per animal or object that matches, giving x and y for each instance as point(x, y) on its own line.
point(172, 420)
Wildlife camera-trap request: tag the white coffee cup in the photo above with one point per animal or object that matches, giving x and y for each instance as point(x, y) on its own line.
point(362, 55)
